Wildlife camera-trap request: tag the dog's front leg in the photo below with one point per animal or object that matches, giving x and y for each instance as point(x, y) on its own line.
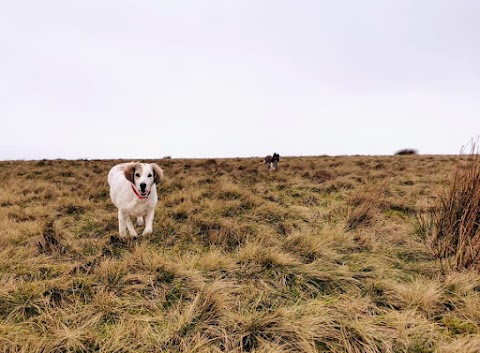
point(131, 228)
point(149, 222)
point(122, 224)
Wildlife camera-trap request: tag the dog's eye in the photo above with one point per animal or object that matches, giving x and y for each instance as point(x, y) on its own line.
point(149, 175)
point(137, 175)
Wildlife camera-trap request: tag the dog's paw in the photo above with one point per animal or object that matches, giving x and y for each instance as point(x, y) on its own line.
point(133, 234)
point(140, 221)
point(147, 231)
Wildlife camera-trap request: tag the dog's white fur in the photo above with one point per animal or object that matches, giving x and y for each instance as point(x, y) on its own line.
point(121, 178)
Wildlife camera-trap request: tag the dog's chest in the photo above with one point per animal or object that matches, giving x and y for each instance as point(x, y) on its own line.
point(138, 208)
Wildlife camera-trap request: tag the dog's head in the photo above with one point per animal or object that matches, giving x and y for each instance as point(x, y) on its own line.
point(143, 176)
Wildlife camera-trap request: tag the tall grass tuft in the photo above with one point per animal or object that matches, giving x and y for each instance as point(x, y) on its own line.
point(451, 229)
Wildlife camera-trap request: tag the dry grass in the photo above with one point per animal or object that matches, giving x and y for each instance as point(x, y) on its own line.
point(319, 257)
point(452, 228)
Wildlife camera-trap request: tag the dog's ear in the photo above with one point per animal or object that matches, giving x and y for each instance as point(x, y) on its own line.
point(157, 172)
point(130, 171)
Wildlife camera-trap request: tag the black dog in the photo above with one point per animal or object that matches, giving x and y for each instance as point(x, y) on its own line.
point(272, 161)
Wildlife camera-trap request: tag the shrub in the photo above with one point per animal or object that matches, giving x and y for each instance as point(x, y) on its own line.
point(451, 229)
point(406, 151)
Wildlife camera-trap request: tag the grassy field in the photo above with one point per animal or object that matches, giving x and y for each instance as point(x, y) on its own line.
point(322, 255)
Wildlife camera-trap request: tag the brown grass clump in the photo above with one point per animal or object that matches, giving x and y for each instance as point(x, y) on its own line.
point(205, 319)
point(468, 344)
point(280, 329)
point(452, 228)
point(318, 257)
point(364, 206)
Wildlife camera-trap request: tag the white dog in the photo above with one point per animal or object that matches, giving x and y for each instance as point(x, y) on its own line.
point(133, 190)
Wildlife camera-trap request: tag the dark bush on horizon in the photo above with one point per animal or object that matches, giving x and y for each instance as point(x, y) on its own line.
point(406, 152)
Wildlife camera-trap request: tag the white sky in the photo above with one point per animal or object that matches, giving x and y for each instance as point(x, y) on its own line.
point(226, 78)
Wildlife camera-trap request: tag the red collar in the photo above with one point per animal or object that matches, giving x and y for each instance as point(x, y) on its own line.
point(139, 196)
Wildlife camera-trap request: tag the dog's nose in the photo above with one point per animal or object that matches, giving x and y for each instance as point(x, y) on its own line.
point(143, 186)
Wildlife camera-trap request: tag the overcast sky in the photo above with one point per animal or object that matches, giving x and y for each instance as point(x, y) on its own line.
point(227, 78)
